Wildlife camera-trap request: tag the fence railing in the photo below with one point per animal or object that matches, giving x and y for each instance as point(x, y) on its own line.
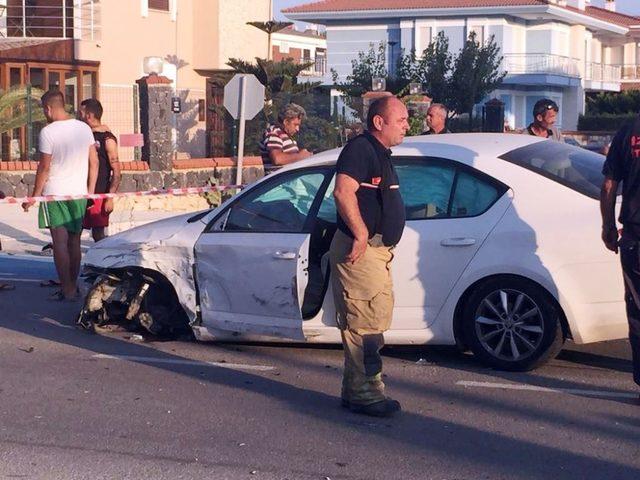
point(67, 19)
point(600, 72)
point(630, 72)
point(532, 63)
point(318, 69)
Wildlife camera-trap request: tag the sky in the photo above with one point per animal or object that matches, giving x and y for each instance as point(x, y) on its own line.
point(631, 7)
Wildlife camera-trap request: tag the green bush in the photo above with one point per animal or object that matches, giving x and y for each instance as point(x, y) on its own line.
point(605, 122)
point(613, 103)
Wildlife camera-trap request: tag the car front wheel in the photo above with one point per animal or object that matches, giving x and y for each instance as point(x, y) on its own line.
point(512, 324)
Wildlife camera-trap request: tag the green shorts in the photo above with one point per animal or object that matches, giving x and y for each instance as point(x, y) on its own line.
point(68, 214)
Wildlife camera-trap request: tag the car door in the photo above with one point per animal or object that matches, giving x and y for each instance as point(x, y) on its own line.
point(451, 208)
point(252, 260)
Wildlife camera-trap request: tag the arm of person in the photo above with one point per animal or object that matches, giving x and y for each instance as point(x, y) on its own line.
point(280, 158)
point(613, 171)
point(608, 195)
point(116, 174)
point(347, 205)
point(42, 175)
point(93, 169)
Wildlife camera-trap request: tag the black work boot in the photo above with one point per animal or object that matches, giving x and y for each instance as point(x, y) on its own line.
point(383, 408)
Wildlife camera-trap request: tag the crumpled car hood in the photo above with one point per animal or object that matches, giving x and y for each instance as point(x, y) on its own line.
point(166, 246)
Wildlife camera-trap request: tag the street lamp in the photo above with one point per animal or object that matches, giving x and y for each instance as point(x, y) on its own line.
point(378, 84)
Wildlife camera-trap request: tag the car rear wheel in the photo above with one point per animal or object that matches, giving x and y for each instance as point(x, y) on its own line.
point(513, 324)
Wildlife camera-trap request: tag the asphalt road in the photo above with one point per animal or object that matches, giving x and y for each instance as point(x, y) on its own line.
point(76, 405)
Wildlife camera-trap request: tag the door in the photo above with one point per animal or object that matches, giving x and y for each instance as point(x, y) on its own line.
point(252, 261)
point(451, 209)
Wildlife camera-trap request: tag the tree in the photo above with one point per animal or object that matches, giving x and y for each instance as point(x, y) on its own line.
point(14, 108)
point(270, 27)
point(433, 69)
point(476, 73)
point(281, 87)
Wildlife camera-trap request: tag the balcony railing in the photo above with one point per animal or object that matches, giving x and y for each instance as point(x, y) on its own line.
point(66, 19)
point(600, 72)
point(630, 73)
point(318, 69)
point(540, 63)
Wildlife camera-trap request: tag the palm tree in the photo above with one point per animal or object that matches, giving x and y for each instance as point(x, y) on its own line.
point(270, 27)
point(20, 106)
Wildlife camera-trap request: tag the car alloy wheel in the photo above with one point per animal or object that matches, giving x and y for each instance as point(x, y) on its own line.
point(512, 323)
point(509, 324)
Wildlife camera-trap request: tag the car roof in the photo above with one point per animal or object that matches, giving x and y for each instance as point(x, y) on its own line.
point(465, 146)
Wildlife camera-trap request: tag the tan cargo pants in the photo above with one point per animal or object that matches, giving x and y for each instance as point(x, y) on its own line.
point(363, 295)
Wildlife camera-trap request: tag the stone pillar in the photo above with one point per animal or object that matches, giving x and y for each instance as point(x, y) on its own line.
point(155, 121)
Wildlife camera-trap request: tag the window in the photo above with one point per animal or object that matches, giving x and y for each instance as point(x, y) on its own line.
point(473, 196)
point(425, 187)
point(479, 31)
point(279, 206)
point(573, 167)
point(435, 188)
point(424, 39)
point(159, 5)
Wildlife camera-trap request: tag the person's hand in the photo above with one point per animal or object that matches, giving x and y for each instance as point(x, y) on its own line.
point(108, 205)
point(27, 205)
point(357, 250)
point(610, 238)
point(306, 153)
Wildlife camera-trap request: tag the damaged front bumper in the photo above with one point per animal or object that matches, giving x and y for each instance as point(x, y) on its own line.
point(134, 298)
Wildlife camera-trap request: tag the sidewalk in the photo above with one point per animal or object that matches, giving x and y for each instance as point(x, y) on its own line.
point(19, 232)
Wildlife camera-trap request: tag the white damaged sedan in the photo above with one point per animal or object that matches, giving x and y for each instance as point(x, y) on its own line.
point(501, 254)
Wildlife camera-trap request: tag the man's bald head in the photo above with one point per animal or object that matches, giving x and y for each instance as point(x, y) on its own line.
point(388, 120)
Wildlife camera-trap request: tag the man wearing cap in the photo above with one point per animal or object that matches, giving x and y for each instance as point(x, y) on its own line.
point(545, 114)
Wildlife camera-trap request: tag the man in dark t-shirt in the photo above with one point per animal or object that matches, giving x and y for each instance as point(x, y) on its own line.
point(371, 219)
point(97, 216)
point(623, 166)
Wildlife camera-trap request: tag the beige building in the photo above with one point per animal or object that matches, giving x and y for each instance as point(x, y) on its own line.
point(98, 48)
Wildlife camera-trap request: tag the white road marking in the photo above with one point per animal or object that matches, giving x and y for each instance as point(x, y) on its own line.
point(24, 280)
point(535, 388)
point(175, 361)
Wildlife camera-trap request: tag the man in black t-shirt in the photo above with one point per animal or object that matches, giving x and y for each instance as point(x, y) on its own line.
point(623, 166)
point(371, 219)
point(97, 216)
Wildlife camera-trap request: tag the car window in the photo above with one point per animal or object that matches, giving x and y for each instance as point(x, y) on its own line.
point(283, 205)
point(576, 168)
point(425, 186)
point(473, 196)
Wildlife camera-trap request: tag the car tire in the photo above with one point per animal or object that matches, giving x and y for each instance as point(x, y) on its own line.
point(511, 323)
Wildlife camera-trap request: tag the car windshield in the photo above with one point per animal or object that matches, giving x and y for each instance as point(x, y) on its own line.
point(576, 168)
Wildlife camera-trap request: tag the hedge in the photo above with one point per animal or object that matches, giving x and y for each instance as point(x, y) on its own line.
point(604, 123)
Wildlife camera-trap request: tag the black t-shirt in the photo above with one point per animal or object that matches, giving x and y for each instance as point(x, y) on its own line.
point(623, 165)
point(368, 162)
point(103, 182)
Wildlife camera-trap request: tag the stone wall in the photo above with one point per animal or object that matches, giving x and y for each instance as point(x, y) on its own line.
point(188, 173)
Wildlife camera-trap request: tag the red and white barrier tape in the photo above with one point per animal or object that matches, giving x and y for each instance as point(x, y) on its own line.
point(94, 196)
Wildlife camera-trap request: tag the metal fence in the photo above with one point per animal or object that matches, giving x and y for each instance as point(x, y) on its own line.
point(122, 115)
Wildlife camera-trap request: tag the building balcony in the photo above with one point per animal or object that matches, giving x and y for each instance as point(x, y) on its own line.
point(600, 76)
point(630, 73)
point(55, 19)
point(540, 64)
point(318, 69)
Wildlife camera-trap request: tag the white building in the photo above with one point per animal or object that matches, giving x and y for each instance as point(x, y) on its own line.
point(558, 49)
point(308, 46)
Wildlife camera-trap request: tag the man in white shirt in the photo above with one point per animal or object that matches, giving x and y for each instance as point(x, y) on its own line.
point(68, 166)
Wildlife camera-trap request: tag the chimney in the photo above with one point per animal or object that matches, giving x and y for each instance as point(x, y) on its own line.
point(579, 4)
point(610, 5)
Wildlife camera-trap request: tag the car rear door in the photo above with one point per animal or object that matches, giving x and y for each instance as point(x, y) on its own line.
point(451, 209)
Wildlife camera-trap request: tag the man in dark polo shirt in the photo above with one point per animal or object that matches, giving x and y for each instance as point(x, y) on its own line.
point(371, 219)
point(623, 165)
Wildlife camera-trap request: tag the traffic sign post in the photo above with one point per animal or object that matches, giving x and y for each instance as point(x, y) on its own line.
point(243, 99)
